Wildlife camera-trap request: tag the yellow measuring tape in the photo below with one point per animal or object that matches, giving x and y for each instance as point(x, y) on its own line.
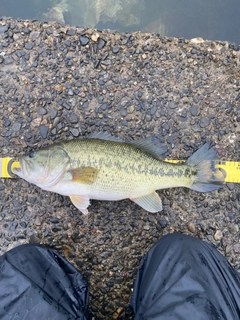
point(231, 168)
point(6, 166)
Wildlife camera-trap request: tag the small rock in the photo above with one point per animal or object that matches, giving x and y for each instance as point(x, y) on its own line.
point(131, 109)
point(53, 113)
point(34, 35)
point(95, 37)
point(104, 106)
point(106, 62)
point(74, 132)
point(28, 46)
point(236, 248)
point(191, 227)
point(79, 263)
point(228, 248)
point(172, 105)
point(163, 222)
point(68, 43)
point(7, 123)
point(153, 110)
point(16, 127)
point(233, 228)
point(3, 29)
point(66, 105)
point(36, 122)
point(204, 122)
point(73, 118)
point(44, 131)
point(85, 105)
point(115, 49)
point(42, 111)
point(196, 40)
point(101, 43)
point(83, 40)
point(185, 100)
point(146, 227)
point(218, 235)
point(230, 186)
point(34, 238)
point(8, 60)
point(193, 110)
point(71, 32)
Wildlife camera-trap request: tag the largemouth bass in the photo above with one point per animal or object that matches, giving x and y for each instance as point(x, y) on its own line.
point(102, 167)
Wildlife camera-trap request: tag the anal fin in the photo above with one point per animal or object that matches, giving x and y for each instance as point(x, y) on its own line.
point(150, 202)
point(81, 202)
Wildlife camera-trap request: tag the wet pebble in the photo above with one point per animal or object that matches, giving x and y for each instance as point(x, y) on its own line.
point(53, 113)
point(79, 263)
point(68, 43)
point(66, 105)
point(95, 37)
point(163, 222)
point(34, 35)
point(73, 118)
point(110, 283)
point(74, 132)
point(34, 238)
point(85, 105)
point(193, 110)
point(204, 122)
point(44, 131)
point(153, 110)
point(172, 105)
point(101, 44)
point(146, 227)
point(230, 186)
point(104, 106)
point(131, 109)
point(28, 46)
point(83, 40)
point(71, 32)
point(16, 127)
point(191, 227)
point(8, 60)
point(233, 228)
point(236, 248)
point(42, 111)
point(218, 235)
point(115, 49)
point(3, 29)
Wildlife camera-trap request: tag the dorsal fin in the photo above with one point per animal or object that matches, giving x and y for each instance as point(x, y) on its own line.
point(157, 151)
point(147, 145)
point(104, 136)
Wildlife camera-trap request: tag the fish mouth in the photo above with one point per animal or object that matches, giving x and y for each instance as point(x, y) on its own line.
point(18, 171)
point(24, 169)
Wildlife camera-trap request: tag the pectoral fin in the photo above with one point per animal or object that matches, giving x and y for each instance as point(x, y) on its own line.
point(151, 202)
point(85, 175)
point(80, 202)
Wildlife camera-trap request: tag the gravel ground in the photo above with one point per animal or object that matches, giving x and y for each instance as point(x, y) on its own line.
point(59, 82)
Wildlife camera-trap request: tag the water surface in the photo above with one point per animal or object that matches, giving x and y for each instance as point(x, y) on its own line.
point(209, 19)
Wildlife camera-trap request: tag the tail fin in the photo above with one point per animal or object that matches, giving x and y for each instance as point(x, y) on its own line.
point(208, 177)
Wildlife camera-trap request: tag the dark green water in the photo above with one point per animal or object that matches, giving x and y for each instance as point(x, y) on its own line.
point(209, 19)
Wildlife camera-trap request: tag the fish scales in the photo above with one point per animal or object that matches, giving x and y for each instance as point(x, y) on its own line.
point(124, 167)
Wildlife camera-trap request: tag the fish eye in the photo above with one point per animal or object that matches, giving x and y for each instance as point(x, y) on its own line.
point(32, 154)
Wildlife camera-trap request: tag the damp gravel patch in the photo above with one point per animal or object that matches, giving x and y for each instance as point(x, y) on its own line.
point(59, 82)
